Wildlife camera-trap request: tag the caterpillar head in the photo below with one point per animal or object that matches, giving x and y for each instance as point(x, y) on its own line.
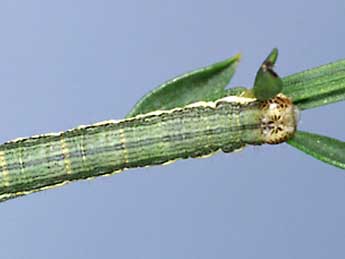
point(279, 119)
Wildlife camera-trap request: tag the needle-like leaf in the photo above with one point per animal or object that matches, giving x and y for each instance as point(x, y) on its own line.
point(326, 149)
point(317, 86)
point(204, 84)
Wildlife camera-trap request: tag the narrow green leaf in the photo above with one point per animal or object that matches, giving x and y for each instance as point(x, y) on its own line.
point(206, 84)
point(317, 86)
point(267, 83)
point(329, 150)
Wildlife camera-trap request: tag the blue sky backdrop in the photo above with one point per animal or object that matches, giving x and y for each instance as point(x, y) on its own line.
point(65, 63)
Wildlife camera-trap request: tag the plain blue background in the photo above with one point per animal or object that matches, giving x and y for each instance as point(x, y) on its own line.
point(65, 63)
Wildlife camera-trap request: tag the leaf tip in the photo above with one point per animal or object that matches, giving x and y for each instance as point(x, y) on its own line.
point(233, 61)
point(238, 57)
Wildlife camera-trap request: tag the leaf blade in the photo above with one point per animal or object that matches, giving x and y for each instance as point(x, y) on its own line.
point(267, 83)
point(326, 149)
point(205, 84)
point(317, 86)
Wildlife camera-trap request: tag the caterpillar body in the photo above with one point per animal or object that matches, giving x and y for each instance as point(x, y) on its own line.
point(199, 129)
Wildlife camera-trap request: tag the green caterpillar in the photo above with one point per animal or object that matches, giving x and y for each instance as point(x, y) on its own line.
point(32, 164)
